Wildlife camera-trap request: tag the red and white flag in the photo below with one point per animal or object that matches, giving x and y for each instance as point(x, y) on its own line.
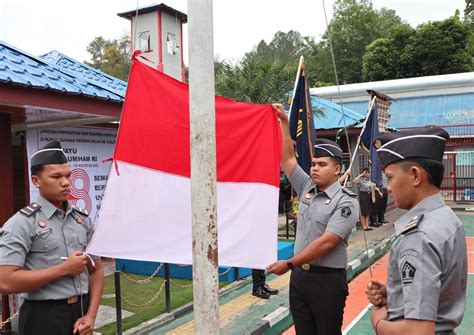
point(146, 210)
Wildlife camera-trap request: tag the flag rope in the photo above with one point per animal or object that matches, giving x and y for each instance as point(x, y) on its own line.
point(342, 111)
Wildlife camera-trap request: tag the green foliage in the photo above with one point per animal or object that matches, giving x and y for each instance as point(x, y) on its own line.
point(254, 81)
point(434, 48)
point(111, 56)
point(354, 26)
point(139, 294)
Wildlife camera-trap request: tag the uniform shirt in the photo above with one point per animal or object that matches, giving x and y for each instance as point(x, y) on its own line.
point(333, 210)
point(366, 185)
point(427, 273)
point(40, 240)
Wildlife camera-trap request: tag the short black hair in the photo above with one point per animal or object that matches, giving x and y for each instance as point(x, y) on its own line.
point(36, 170)
point(434, 169)
point(338, 160)
point(365, 169)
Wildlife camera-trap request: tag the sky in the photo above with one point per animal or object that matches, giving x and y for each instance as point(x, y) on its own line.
point(39, 26)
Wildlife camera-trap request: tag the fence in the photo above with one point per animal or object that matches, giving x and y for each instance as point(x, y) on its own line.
point(458, 182)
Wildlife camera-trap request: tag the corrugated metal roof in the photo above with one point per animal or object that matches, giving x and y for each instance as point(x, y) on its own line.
point(442, 110)
point(20, 68)
point(333, 116)
point(89, 74)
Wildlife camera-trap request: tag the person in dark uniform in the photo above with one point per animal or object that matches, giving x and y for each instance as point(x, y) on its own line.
point(427, 272)
point(260, 287)
point(42, 254)
point(382, 199)
point(326, 215)
point(366, 197)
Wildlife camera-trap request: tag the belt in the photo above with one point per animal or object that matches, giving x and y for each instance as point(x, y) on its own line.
point(445, 332)
point(319, 269)
point(68, 301)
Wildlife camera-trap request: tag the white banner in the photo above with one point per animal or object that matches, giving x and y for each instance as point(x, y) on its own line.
point(85, 148)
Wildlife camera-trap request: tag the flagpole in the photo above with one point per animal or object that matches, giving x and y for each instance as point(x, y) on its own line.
point(298, 72)
point(203, 167)
point(372, 102)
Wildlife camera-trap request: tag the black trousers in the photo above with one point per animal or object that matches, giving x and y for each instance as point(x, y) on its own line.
point(258, 278)
point(52, 317)
point(317, 302)
point(382, 205)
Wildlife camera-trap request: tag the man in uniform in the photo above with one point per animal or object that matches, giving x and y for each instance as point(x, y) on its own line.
point(326, 215)
point(42, 253)
point(427, 273)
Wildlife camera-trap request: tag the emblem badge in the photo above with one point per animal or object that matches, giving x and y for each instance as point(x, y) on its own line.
point(408, 273)
point(41, 224)
point(377, 144)
point(346, 212)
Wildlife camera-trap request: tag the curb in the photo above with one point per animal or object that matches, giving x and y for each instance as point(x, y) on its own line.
point(282, 316)
point(270, 320)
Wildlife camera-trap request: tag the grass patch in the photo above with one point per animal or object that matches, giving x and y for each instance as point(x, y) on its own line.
point(139, 294)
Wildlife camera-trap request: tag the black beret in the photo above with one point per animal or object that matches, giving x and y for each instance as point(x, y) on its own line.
point(427, 142)
point(327, 148)
point(51, 153)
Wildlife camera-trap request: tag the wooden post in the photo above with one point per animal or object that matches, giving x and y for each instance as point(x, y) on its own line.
point(203, 167)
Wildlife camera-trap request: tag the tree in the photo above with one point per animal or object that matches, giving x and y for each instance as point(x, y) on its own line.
point(469, 10)
point(254, 81)
point(111, 56)
point(434, 48)
point(354, 26)
point(387, 58)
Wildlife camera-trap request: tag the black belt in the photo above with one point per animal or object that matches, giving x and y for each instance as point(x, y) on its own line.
point(319, 269)
point(68, 301)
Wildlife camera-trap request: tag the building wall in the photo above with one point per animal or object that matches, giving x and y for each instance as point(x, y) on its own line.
point(147, 22)
point(172, 62)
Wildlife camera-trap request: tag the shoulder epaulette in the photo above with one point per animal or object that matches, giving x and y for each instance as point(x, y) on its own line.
point(82, 211)
point(30, 209)
point(413, 224)
point(349, 192)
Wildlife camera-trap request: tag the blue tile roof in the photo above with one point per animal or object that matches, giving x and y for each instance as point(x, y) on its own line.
point(20, 68)
point(333, 116)
point(435, 110)
point(86, 72)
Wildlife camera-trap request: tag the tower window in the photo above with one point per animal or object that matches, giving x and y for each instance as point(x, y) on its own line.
point(144, 41)
point(171, 44)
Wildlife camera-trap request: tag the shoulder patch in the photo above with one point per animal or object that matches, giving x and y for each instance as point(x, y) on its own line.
point(413, 224)
point(349, 192)
point(82, 211)
point(346, 212)
point(30, 209)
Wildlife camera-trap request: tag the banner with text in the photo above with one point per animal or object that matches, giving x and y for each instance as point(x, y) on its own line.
point(85, 148)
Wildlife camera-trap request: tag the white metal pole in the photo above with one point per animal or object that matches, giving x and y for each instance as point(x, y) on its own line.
point(296, 83)
point(203, 167)
point(371, 104)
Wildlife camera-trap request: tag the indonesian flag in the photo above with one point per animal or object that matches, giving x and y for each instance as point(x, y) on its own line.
point(146, 210)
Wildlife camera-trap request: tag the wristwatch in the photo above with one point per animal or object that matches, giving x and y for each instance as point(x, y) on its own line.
point(290, 265)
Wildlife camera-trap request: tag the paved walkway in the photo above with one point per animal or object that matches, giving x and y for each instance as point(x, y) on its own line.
point(357, 311)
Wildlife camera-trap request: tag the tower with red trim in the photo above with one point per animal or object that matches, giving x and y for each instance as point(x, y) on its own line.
point(159, 28)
